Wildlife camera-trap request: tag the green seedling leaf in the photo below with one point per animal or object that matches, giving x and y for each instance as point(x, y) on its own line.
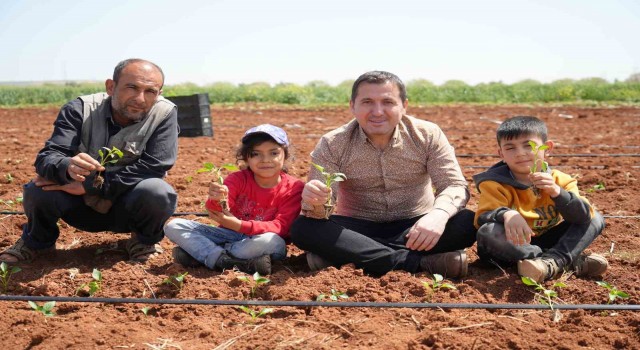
point(145, 310)
point(547, 296)
point(255, 314)
point(255, 282)
point(6, 272)
point(177, 280)
point(46, 309)
point(217, 174)
point(92, 287)
point(614, 293)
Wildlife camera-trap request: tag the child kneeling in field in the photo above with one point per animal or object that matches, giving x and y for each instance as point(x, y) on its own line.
point(535, 219)
point(263, 200)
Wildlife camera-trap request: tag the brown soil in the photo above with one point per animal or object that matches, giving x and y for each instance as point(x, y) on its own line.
point(590, 131)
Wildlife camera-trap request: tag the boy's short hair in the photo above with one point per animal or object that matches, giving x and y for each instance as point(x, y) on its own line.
point(521, 125)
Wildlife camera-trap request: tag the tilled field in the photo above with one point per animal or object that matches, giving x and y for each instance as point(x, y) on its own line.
point(597, 145)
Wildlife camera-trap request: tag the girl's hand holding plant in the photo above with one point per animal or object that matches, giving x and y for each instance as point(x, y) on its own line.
point(218, 192)
point(226, 219)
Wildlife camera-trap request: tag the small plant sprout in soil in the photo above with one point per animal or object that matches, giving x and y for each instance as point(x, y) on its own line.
point(329, 179)
point(255, 314)
point(107, 157)
point(436, 283)
point(46, 309)
point(543, 165)
point(255, 282)
point(614, 293)
point(546, 296)
point(217, 174)
point(176, 281)
point(5, 274)
point(335, 295)
point(92, 287)
point(598, 187)
point(145, 310)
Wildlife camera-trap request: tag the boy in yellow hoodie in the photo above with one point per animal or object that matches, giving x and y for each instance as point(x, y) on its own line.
point(535, 219)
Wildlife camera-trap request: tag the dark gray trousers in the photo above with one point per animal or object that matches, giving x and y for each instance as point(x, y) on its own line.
point(143, 210)
point(563, 243)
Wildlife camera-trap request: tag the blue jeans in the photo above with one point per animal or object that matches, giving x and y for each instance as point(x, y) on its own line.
point(564, 242)
point(205, 243)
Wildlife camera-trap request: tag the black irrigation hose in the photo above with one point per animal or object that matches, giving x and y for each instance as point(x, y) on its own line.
point(294, 303)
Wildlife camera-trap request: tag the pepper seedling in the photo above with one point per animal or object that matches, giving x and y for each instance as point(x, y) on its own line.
point(217, 174)
point(547, 296)
point(614, 293)
point(256, 314)
point(535, 148)
point(92, 287)
point(335, 295)
point(46, 309)
point(256, 282)
point(111, 156)
point(329, 179)
point(177, 280)
point(5, 274)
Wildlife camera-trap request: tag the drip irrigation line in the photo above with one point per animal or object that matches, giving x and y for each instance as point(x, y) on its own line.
point(590, 155)
point(194, 213)
point(295, 303)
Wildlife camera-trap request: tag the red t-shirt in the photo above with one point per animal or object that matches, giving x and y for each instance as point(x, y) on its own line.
point(262, 209)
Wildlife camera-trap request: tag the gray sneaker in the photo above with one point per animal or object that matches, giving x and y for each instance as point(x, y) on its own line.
point(590, 265)
point(451, 264)
point(316, 262)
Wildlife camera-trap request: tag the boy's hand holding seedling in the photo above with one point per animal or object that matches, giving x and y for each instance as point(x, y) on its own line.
point(516, 228)
point(540, 179)
point(544, 183)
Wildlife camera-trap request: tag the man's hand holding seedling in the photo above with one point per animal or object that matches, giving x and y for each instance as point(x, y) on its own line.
point(544, 182)
point(516, 228)
point(427, 231)
point(82, 165)
point(315, 192)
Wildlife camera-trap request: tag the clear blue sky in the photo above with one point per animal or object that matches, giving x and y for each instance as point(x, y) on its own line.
point(332, 40)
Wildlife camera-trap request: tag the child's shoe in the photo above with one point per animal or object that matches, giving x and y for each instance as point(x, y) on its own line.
point(261, 264)
point(539, 269)
point(185, 259)
point(590, 265)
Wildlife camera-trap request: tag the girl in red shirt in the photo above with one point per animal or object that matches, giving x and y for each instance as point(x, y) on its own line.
point(263, 200)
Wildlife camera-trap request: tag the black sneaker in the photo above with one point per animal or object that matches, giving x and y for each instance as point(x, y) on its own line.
point(261, 264)
point(185, 259)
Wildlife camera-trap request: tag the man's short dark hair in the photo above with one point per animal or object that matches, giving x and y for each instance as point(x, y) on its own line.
point(378, 77)
point(521, 125)
point(122, 64)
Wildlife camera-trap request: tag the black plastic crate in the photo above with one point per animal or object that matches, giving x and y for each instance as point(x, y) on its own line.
point(194, 115)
